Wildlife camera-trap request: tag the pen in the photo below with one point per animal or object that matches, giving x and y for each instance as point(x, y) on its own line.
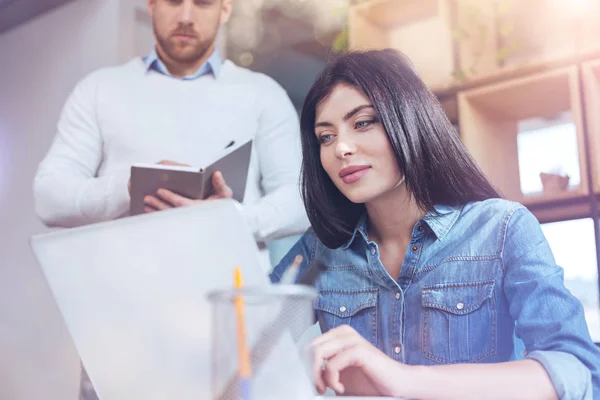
point(290, 274)
point(245, 369)
point(266, 340)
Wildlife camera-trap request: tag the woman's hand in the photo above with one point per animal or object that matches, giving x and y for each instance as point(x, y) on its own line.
point(353, 366)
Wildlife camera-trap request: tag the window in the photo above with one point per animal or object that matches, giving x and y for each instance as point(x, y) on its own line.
point(574, 249)
point(549, 146)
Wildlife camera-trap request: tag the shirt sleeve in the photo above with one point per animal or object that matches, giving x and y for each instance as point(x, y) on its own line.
point(548, 318)
point(280, 212)
point(571, 379)
point(304, 247)
point(66, 190)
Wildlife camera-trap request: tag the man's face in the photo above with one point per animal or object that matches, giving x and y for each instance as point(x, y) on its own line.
point(186, 30)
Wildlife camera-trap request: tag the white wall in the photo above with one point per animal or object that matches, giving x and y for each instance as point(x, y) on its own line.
point(41, 62)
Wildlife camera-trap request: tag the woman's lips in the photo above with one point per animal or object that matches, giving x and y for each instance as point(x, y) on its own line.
point(353, 173)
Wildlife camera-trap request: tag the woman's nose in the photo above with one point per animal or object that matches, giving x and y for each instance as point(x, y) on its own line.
point(344, 148)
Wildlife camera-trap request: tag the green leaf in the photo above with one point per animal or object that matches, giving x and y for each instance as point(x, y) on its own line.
point(459, 75)
point(341, 43)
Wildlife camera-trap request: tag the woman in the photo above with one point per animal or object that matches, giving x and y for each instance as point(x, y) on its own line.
point(435, 287)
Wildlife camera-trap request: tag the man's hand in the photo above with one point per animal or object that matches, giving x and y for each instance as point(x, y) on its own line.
point(353, 366)
point(163, 162)
point(166, 199)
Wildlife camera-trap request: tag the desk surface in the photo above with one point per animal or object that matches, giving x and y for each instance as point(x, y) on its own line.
point(358, 398)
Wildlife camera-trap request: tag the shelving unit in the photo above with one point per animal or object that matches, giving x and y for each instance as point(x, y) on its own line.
point(591, 82)
point(446, 39)
point(396, 23)
point(489, 117)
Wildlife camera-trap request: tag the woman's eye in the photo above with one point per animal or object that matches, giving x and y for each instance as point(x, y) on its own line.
point(363, 124)
point(323, 139)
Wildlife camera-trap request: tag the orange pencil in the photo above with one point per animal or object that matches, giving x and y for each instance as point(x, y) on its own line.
point(245, 367)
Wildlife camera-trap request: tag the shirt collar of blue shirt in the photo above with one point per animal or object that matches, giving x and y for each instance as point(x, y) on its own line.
point(440, 220)
point(212, 65)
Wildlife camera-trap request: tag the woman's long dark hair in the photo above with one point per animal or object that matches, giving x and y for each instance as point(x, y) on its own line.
point(437, 166)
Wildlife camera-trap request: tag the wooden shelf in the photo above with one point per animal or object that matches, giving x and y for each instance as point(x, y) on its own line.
point(591, 83)
point(515, 71)
point(542, 29)
point(574, 208)
point(418, 28)
point(450, 106)
point(489, 117)
point(445, 37)
point(390, 14)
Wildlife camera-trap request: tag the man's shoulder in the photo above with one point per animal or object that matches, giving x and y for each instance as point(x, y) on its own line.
point(113, 74)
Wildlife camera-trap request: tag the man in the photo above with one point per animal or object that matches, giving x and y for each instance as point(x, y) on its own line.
point(183, 104)
point(180, 103)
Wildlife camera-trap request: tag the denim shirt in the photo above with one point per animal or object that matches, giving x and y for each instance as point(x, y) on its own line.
point(478, 284)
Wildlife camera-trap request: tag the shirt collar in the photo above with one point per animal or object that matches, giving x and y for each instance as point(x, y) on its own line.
point(212, 65)
point(440, 220)
point(361, 228)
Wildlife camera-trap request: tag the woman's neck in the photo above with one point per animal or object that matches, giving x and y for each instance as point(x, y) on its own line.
point(393, 216)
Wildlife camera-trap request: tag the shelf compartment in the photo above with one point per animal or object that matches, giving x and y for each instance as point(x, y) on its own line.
point(490, 118)
point(591, 83)
point(420, 29)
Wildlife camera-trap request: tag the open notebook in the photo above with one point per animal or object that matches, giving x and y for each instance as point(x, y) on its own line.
point(194, 182)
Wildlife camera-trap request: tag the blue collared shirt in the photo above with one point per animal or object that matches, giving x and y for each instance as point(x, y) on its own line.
point(212, 65)
point(478, 284)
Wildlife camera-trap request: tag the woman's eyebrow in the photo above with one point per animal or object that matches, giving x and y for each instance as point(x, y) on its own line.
point(349, 115)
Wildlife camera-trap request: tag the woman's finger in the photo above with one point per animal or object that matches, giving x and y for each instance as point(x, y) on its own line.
point(337, 333)
point(351, 356)
point(328, 345)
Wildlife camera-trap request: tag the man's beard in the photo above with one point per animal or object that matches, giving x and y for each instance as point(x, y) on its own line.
point(191, 52)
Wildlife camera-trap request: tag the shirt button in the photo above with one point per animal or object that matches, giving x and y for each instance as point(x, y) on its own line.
point(460, 305)
point(343, 309)
point(373, 250)
point(397, 296)
point(415, 248)
point(397, 349)
point(420, 228)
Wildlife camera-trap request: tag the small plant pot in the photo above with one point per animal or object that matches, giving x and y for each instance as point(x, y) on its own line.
point(554, 183)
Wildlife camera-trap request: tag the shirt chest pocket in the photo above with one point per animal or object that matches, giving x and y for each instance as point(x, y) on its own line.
point(355, 308)
point(459, 322)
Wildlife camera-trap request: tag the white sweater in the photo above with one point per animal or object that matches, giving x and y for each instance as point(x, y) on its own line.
point(123, 115)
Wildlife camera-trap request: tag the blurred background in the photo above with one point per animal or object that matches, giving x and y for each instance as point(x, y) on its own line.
point(519, 79)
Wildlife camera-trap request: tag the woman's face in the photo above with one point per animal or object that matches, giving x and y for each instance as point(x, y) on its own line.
point(355, 150)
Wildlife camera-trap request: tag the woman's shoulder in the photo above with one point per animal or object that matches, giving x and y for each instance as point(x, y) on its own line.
point(507, 220)
point(492, 209)
point(309, 238)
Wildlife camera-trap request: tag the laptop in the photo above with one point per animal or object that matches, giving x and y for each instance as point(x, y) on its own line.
point(133, 295)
